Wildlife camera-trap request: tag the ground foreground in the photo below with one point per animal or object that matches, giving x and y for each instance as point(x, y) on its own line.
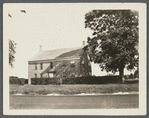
point(75, 102)
point(72, 89)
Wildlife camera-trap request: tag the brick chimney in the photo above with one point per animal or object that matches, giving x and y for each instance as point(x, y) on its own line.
point(40, 49)
point(83, 43)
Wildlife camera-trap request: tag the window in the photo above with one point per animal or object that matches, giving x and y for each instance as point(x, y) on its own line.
point(41, 75)
point(35, 67)
point(72, 64)
point(72, 75)
point(64, 65)
point(41, 66)
point(51, 75)
point(35, 75)
point(64, 74)
point(51, 65)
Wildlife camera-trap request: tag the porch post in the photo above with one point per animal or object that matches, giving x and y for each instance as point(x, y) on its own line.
point(48, 75)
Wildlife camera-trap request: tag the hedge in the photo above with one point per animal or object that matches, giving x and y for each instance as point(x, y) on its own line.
point(92, 80)
point(76, 80)
point(20, 81)
point(131, 81)
point(45, 81)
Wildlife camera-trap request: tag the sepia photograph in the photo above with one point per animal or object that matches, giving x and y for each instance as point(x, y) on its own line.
point(74, 58)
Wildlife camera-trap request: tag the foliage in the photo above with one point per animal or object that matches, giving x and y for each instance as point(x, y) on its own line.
point(76, 80)
point(19, 81)
point(114, 44)
point(12, 47)
point(45, 81)
point(131, 76)
point(92, 80)
point(136, 73)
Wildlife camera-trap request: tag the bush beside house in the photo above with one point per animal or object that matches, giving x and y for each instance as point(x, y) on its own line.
point(45, 81)
point(73, 80)
point(92, 80)
point(76, 80)
point(16, 80)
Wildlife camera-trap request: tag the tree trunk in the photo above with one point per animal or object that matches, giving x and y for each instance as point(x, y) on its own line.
point(121, 73)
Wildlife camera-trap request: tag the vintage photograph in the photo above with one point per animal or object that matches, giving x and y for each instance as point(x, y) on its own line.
point(67, 56)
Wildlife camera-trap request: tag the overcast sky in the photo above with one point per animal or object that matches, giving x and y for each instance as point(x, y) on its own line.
point(53, 26)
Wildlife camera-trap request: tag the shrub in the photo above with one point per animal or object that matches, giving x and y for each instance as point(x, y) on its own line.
point(136, 74)
point(92, 80)
point(45, 81)
point(20, 81)
point(131, 76)
point(26, 81)
point(126, 76)
point(77, 80)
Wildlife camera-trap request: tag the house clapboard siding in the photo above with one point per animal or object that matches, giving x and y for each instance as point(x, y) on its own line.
point(60, 63)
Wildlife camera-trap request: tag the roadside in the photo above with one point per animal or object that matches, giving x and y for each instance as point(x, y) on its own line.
point(54, 90)
point(75, 102)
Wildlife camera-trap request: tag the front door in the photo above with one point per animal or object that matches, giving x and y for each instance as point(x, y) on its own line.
point(51, 75)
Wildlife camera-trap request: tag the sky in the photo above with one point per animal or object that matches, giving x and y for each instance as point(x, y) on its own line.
point(53, 26)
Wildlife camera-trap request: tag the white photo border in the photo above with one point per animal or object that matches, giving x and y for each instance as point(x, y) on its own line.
point(142, 110)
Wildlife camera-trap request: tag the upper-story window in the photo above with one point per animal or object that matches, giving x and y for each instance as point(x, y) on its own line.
point(41, 66)
point(35, 67)
point(51, 64)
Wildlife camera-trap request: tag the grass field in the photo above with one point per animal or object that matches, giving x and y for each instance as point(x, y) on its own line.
point(72, 89)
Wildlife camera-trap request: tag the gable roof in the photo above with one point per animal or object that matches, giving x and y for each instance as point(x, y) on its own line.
point(58, 54)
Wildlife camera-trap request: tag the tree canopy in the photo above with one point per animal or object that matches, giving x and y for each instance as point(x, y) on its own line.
point(12, 47)
point(114, 42)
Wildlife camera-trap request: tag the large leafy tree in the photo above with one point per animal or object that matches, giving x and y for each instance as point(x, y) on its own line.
point(12, 47)
point(114, 42)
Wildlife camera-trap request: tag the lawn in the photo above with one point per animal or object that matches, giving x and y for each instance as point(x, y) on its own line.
point(72, 89)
